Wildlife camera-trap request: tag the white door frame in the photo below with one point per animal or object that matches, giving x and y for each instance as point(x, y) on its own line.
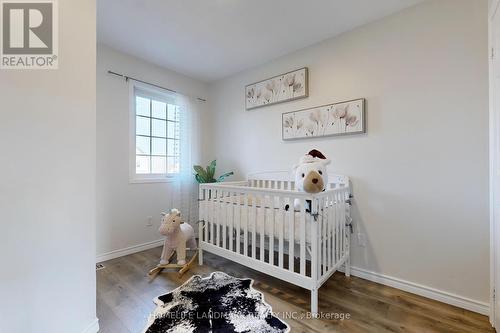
point(494, 129)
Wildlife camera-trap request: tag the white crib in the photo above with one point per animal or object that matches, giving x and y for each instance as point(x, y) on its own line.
point(247, 222)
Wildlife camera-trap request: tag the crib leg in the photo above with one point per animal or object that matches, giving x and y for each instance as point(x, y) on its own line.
point(314, 301)
point(348, 265)
point(348, 255)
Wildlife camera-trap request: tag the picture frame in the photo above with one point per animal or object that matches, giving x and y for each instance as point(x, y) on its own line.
point(335, 119)
point(281, 88)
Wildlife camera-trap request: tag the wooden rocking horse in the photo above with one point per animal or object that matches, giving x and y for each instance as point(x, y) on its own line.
point(179, 237)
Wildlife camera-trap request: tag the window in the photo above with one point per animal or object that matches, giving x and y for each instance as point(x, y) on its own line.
point(156, 131)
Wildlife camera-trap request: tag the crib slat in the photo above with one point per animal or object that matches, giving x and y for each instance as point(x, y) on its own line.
point(335, 233)
point(218, 224)
point(337, 228)
point(224, 218)
point(206, 212)
point(271, 231)
point(314, 246)
point(342, 222)
point(331, 225)
point(323, 219)
point(303, 236)
point(222, 201)
point(318, 237)
point(245, 229)
point(263, 208)
point(341, 226)
point(212, 216)
point(319, 258)
point(216, 216)
point(231, 220)
point(238, 223)
point(291, 235)
point(254, 227)
point(344, 227)
point(280, 231)
point(208, 215)
point(327, 227)
point(201, 198)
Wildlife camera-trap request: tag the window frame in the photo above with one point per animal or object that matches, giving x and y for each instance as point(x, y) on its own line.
point(158, 95)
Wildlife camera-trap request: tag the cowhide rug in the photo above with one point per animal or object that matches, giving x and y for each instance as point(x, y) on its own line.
point(217, 303)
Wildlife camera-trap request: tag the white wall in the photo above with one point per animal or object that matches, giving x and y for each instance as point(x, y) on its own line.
point(47, 191)
point(420, 174)
point(123, 208)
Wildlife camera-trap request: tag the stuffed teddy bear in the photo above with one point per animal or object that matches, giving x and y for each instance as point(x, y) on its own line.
point(177, 235)
point(310, 175)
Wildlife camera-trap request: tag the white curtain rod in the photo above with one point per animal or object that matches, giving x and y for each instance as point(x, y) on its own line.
point(126, 77)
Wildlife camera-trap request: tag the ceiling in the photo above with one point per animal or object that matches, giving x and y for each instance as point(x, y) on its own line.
point(212, 39)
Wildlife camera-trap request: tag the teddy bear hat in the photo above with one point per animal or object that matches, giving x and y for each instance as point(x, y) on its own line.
point(312, 156)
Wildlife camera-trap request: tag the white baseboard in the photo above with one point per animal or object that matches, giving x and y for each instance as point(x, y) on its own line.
point(93, 327)
point(411, 287)
point(418, 289)
point(128, 250)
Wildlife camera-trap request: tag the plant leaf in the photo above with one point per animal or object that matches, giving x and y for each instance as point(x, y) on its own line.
point(199, 179)
point(224, 176)
point(208, 173)
point(199, 170)
point(211, 170)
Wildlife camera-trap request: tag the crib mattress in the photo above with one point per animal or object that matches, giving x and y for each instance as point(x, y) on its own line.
point(262, 217)
point(282, 221)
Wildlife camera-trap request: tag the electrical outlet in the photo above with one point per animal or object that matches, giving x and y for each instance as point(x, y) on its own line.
point(149, 222)
point(361, 239)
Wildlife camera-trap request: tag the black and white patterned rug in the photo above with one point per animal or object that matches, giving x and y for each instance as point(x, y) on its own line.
point(217, 303)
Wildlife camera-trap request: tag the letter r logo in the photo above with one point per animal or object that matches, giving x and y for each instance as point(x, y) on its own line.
point(27, 27)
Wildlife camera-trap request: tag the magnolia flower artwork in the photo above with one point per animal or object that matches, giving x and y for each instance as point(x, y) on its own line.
point(332, 119)
point(281, 88)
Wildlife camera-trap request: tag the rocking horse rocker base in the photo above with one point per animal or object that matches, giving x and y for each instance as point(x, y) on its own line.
point(182, 268)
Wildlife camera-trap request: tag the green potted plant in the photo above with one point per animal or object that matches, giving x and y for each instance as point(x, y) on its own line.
point(208, 175)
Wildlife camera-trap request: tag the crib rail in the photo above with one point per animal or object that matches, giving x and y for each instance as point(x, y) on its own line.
point(247, 222)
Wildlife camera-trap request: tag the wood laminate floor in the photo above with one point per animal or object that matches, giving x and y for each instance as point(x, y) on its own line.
point(124, 300)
